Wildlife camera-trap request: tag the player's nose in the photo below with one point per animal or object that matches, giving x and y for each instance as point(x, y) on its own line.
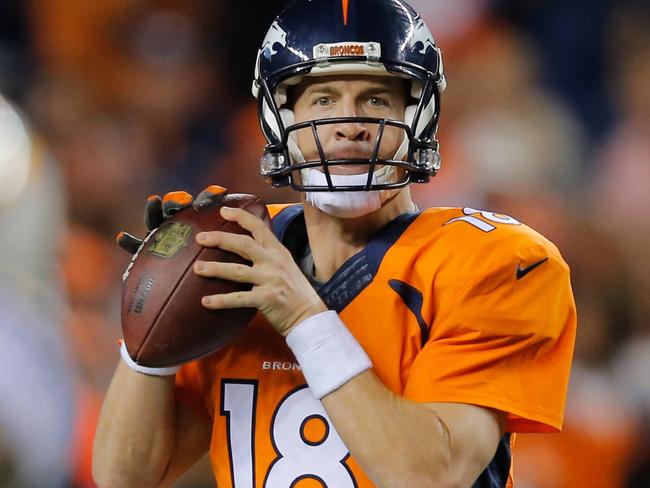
point(352, 131)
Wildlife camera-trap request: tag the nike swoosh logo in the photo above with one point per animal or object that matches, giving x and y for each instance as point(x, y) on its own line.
point(521, 272)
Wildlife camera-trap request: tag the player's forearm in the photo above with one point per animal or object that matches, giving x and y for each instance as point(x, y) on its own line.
point(398, 443)
point(135, 433)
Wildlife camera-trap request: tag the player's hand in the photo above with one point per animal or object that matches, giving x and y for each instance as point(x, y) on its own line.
point(280, 290)
point(157, 210)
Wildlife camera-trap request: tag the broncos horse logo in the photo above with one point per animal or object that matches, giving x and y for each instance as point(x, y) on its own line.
point(275, 35)
point(422, 34)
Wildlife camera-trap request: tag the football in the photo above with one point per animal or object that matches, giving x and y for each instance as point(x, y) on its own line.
point(163, 321)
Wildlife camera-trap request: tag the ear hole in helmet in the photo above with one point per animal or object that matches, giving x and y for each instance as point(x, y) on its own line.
point(288, 119)
point(428, 112)
point(287, 92)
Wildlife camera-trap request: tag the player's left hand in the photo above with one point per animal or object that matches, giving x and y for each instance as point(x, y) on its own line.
point(280, 290)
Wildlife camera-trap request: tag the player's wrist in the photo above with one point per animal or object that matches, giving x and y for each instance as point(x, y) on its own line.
point(315, 309)
point(327, 352)
point(169, 371)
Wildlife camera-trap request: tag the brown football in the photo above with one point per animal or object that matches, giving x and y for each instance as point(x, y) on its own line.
point(163, 321)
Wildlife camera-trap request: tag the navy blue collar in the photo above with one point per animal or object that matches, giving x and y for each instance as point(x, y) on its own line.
point(358, 271)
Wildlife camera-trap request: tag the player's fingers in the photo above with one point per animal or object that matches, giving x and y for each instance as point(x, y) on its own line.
point(153, 214)
point(128, 242)
point(209, 196)
point(238, 299)
point(237, 272)
point(244, 245)
point(250, 222)
point(174, 201)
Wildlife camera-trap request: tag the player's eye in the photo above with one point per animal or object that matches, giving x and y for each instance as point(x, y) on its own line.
point(378, 102)
point(323, 101)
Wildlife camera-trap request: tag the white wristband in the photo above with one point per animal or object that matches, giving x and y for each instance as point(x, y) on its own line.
point(327, 352)
point(170, 371)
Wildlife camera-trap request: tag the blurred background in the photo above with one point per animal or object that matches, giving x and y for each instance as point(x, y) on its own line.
point(546, 118)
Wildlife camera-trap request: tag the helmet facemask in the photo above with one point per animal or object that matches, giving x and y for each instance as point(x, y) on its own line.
point(415, 160)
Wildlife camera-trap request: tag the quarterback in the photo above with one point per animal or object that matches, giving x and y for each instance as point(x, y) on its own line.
point(394, 346)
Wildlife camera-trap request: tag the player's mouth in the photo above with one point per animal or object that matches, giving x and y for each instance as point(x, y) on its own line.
point(350, 169)
point(354, 153)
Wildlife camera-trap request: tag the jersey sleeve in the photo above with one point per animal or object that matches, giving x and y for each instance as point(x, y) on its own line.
point(504, 341)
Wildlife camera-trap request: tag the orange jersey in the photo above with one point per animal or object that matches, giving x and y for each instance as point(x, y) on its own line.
point(451, 305)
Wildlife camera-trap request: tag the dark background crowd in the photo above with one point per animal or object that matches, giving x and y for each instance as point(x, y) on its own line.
point(104, 102)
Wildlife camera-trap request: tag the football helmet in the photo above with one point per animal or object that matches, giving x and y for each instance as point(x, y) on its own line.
point(364, 37)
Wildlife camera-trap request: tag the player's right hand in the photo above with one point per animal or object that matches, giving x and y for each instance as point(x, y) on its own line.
point(157, 210)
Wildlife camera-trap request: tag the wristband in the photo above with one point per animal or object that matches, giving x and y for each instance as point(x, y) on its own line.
point(170, 371)
point(327, 352)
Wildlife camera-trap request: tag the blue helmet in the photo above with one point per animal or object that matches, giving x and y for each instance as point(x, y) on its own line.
point(365, 37)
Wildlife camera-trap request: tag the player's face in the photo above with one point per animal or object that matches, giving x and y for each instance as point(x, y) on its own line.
point(350, 96)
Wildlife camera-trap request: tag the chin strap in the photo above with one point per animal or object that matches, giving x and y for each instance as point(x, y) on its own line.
point(314, 177)
point(347, 204)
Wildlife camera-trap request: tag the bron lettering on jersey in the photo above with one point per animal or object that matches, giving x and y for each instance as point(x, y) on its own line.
point(280, 366)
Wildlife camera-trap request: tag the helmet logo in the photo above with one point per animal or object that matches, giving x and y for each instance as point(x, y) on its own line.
point(422, 34)
point(348, 50)
point(369, 50)
point(275, 35)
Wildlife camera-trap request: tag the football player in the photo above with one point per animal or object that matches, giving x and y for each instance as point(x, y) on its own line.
point(394, 347)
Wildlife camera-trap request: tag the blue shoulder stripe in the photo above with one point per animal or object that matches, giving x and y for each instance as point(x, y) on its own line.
point(359, 270)
point(281, 222)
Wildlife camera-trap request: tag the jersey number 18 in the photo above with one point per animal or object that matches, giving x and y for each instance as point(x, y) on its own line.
point(298, 456)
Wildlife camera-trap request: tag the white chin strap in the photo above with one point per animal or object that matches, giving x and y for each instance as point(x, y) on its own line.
point(347, 204)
